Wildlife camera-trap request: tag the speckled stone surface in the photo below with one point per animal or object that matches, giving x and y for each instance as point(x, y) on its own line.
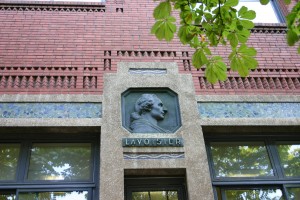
point(113, 164)
point(50, 98)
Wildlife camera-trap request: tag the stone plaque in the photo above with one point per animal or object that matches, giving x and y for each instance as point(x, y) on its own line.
point(150, 110)
point(152, 142)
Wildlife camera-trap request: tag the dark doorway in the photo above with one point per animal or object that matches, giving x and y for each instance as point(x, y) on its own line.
point(155, 188)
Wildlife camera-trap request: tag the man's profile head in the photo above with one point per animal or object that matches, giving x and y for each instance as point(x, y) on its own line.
point(148, 110)
point(150, 104)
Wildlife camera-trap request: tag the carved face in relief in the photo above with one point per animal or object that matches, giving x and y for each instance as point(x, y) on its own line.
point(144, 110)
point(148, 110)
point(158, 111)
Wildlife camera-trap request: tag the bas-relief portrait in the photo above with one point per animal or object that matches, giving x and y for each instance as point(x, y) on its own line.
point(150, 111)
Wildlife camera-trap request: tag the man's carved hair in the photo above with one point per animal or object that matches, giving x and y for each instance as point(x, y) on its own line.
point(142, 105)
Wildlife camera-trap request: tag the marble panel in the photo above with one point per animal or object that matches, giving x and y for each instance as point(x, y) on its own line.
point(50, 110)
point(249, 110)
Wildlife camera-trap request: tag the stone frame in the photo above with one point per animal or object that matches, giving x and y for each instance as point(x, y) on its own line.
point(172, 121)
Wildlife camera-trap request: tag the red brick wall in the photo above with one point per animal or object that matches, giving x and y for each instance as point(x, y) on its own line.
point(66, 49)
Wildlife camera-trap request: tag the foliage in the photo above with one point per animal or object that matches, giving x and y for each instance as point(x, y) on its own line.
point(49, 161)
point(9, 154)
point(208, 23)
point(293, 24)
point(289, 157)
point(254, 194)
point(80, 195)
point(251, 159)
point(157, 195)
point(67, 162)
point(238, 160)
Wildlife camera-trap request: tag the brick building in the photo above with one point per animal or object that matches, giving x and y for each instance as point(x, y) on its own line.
point(70, 73)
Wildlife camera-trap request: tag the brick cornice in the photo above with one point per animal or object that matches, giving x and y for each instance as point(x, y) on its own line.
point(49, 3)
point(52, 6)
point(276, 28)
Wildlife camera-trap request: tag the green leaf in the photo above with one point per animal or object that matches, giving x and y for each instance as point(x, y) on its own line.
point(193, 5)
point(216, 70)
point(247, 51)
point(234, 62)
point(198, 20)
point(170, 30)
point(207, 50)
point(187, 8)
point(264, 2)
point(171, 19)
point(242, 60)
point(290, 19)
point(246, 14)
point(292, 37)
point(239, 27)
point(250, 62)
point(163, 10)
point(156, 26)
point(208, 16)
point(231, 3)
point(210, 75)
point(243, 36)
point(249, 15)
point(189, 18)
point(221, 70)
point(243, 69)
point(247, 24)
point(171, 26)
point(199, 58)
point(237, 64)
point(225, 34)
point(242, 10)
point(195, 42)
point(184, 34)
point(160, 32)
point(212, 38)
point(287, 1)
point(164, 29)
point(207, 26)
point(233, 39)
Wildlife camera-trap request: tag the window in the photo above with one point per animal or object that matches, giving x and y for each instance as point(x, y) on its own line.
point(255, 168)
point(269, 13)
point(155, 188)
point(60, 167)
point(264, 13)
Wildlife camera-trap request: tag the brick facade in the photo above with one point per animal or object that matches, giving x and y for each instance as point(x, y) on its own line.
point(65, 48)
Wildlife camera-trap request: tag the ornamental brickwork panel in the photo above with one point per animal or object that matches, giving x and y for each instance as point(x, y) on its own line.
point(68, 47)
